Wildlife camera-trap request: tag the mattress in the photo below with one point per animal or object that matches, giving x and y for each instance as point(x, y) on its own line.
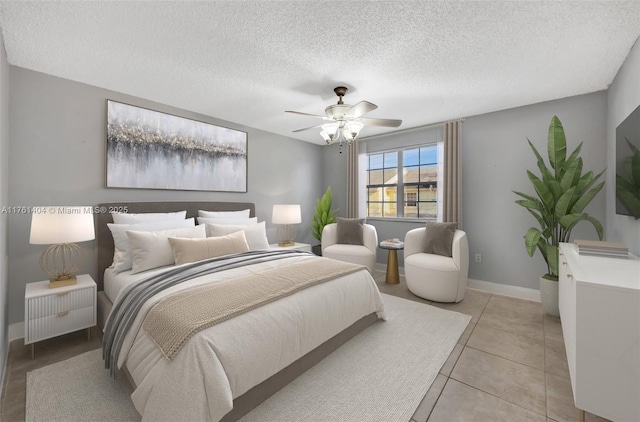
point(226, 360)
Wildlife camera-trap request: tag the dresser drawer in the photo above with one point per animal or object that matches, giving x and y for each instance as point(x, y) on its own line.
point(54, 303)
point(60, 323)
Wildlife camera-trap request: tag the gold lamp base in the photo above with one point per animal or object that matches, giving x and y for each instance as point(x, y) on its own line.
point(61, 261)
point(286, 234)
point(63, 280)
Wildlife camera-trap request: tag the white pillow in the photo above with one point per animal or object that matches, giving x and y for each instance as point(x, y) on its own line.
point(229, 220)
point(256, 234)
point(224, 214)
point(152, 249)
point(126, 218)
point(122, 252)
point(193, 250)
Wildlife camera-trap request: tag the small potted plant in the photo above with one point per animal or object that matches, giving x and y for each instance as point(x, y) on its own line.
point(562, 193)
point(323, 215)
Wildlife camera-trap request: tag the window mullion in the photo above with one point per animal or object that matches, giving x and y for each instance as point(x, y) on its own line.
point(400, 188)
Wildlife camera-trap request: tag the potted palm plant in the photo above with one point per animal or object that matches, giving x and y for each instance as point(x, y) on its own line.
point(561, 194)
point(322, 216)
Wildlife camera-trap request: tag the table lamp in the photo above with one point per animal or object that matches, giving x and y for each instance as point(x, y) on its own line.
point(61, 227)
point(286, 215)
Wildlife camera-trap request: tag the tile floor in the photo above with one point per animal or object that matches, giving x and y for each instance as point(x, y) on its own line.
point(509, 365)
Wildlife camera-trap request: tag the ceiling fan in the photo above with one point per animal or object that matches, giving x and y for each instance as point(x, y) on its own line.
point(346, 120)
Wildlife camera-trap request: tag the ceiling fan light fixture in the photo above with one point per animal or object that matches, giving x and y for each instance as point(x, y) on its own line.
point(325, 136)
point(351, 131)
point(346, 120)
point(331, 129)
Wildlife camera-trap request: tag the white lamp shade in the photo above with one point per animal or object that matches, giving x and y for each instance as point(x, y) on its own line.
point(352, 130)
point(325, 136)
point(59, 224)
point(286, 214)
point(331, 129)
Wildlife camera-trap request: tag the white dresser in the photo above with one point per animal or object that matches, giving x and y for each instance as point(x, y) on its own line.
point(53, 312)
point(600, 312)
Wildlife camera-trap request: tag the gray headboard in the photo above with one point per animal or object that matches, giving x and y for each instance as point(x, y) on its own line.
point(104, 240)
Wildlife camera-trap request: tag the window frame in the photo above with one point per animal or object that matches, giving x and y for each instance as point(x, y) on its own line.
point(400, 199)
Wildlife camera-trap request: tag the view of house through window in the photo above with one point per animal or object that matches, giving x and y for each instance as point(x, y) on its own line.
point(403, 183)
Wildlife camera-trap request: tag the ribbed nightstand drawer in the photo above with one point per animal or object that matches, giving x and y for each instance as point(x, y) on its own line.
point(60, 323)
point(53, 304)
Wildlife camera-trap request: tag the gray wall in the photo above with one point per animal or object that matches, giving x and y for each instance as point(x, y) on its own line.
point(623, 97)
point(495, 156)
point(4, 196)
point(334, 174)
point(58, 157)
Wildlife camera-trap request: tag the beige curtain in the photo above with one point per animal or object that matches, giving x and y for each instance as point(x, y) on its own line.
point(352, 181)
point(452, 194)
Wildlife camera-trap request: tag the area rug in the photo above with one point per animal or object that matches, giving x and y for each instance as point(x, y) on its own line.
point(78, 389)
point(382, 374)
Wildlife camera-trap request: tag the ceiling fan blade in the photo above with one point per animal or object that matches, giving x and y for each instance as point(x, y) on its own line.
point(359, 109)
point(307, 128)
point(380, 122)
point(307, 114)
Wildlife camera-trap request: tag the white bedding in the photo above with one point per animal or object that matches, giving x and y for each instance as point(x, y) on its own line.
point(226, 360)
point(114, 282)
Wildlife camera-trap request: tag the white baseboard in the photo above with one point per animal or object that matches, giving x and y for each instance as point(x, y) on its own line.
point(505, 290)
point(16, 331)
point(489, 287)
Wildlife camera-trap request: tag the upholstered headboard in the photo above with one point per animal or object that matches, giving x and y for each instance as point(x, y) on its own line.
point(104, 240)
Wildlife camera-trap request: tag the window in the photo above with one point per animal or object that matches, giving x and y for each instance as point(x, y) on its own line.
point(403, 183)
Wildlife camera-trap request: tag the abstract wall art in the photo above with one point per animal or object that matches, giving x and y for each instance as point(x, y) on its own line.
point(148, 149)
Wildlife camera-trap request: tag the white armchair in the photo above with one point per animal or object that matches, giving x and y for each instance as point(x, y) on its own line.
point(436, 277)
point(358, 254)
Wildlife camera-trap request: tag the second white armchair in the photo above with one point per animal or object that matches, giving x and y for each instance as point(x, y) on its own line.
point(432, 276)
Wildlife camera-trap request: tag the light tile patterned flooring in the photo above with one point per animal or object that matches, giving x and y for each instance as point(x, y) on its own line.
point(509, 365)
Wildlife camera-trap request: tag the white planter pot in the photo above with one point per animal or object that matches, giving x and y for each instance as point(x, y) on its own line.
point(549, 297)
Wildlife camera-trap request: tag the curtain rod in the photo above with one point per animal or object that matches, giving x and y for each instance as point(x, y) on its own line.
point(412, 129)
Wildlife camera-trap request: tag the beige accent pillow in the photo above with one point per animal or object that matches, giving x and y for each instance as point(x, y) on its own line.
point(439, 238)
point(193, 250)
point(349, 231)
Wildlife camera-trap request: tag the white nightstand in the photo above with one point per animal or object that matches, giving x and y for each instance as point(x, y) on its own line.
point(53, 312)
point(299, 246)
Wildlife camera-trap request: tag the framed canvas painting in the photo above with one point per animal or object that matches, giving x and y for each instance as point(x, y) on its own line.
point(147, 149)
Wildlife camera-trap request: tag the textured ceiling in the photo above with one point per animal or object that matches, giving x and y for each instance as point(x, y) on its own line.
point(249, 61)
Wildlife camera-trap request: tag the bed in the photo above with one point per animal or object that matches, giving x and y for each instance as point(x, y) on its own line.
point(225, 370)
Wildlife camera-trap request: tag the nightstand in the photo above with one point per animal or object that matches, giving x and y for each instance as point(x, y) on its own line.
point(52, 312)
point(299, 246)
